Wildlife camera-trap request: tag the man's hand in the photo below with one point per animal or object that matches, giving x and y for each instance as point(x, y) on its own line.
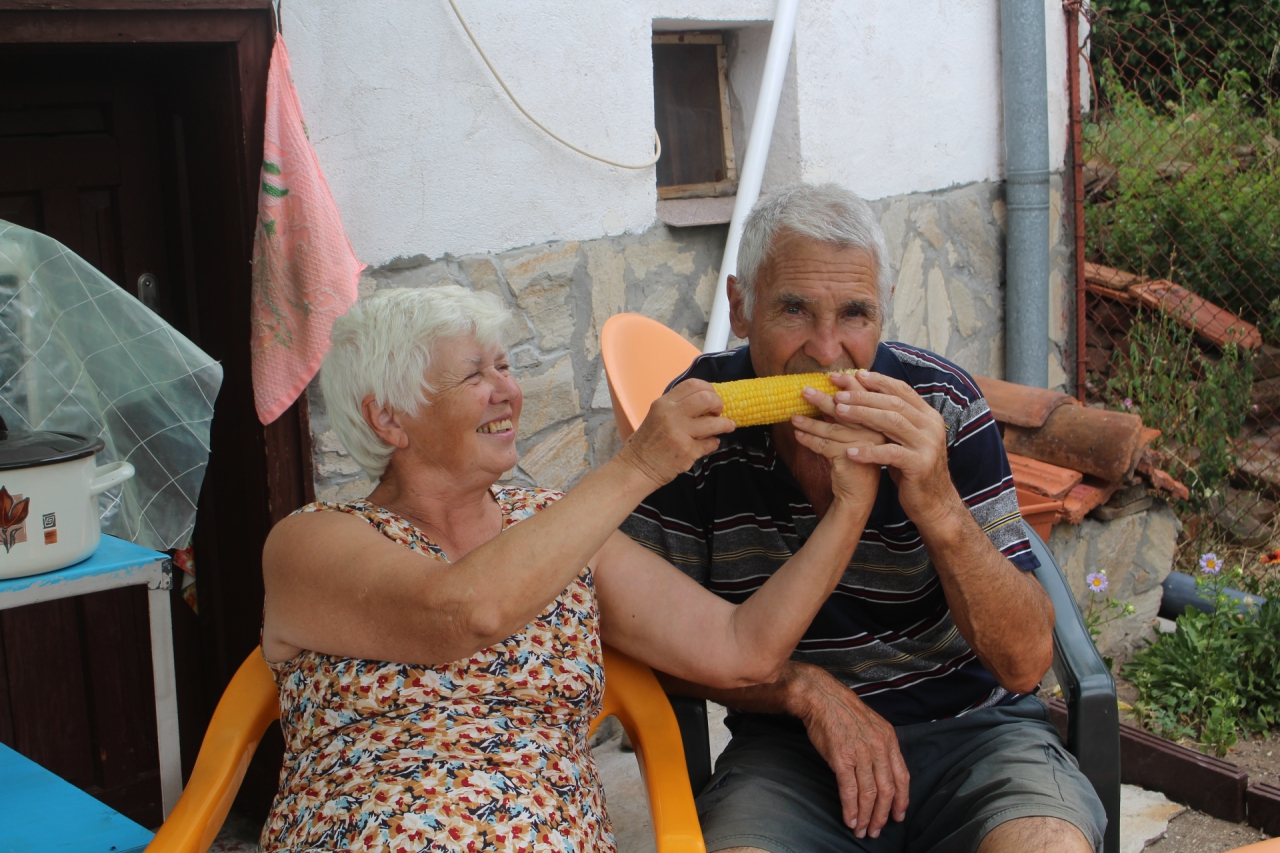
point(916, 452)
point(861, 748)
point(1002, 613)
point(859, 745)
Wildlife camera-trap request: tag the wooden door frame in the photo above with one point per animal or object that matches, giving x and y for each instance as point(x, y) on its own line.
point(249, 25)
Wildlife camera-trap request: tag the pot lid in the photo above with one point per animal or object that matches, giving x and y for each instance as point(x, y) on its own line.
point(31, 449)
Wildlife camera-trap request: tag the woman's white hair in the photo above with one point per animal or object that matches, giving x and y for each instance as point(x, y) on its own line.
point(828, 213)
point(383, 346)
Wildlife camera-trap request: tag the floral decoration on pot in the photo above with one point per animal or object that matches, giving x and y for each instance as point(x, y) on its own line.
point(13, 515)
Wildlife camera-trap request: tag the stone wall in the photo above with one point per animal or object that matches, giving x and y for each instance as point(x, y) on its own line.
point(561, 293)
point(946, 251)
point(1136, 552)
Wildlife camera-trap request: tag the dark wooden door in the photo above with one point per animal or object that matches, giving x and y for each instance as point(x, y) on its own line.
point(144, 159)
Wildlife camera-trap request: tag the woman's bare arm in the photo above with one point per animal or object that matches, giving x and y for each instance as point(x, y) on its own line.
point(336, 586)
point(656, 613)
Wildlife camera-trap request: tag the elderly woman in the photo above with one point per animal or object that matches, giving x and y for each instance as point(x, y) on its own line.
point(437, 645)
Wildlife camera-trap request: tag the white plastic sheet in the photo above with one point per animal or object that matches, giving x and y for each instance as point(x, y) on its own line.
point(79, 354)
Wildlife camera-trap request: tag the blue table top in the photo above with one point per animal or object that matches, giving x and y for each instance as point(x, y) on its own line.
point(44, 813)
point(113, 555)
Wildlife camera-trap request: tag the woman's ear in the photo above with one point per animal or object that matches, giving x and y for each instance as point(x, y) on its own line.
point(385, 422)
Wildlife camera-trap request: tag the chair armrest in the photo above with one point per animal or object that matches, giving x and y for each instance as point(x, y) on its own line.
point(250, 703)
point(633, 695)
point(1093, 721)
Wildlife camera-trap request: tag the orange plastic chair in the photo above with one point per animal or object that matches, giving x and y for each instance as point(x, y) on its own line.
point(251, 703)
point(641, 356)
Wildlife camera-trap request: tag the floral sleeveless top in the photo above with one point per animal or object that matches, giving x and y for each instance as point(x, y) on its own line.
point(487, 753)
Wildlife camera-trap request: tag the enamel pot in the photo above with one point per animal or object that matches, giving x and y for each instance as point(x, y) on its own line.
point(48, 499)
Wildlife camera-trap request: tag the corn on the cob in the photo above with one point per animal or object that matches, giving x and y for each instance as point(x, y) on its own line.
point(771, 399)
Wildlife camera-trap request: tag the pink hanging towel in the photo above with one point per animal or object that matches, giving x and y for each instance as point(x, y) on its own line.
point(304, 270)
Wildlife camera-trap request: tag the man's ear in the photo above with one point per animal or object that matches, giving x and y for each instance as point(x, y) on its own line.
point(385, 422)
point(738, 320)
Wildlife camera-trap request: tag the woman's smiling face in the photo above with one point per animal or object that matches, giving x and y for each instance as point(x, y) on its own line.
point(469, 425)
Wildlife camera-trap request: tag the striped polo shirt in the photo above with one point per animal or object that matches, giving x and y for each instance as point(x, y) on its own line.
point(738, 514)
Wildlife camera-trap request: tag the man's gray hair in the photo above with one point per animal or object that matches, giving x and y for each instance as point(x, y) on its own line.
point(828, 213)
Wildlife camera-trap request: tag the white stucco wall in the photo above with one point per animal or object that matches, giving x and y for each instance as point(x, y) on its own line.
point(425, 155)
point(898, 97)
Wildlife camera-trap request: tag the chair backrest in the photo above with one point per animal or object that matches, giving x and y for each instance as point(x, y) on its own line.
point(641, 357)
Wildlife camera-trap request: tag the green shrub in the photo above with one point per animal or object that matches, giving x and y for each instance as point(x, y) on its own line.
point(1199, 403)
point(1219, 673)
point(1195, 198)
point(1159, 45)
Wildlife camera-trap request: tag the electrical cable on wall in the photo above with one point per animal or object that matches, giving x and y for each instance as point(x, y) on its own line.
point(657, 143)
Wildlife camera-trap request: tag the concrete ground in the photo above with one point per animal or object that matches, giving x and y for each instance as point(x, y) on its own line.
point(1196, 832)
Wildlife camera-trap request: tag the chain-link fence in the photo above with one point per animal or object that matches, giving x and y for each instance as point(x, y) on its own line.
point(1181, 162)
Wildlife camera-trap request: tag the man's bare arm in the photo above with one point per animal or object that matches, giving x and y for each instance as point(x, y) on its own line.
point(1001, 611)
point(859, 745)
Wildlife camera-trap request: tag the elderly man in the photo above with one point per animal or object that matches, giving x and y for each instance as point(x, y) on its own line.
point(904, 721)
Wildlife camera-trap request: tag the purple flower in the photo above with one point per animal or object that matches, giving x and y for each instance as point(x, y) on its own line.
point(1128, 402)
point(1210, 564)
point(1097, 582)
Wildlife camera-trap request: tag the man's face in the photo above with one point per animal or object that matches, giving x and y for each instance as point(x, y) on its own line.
point(816, 309)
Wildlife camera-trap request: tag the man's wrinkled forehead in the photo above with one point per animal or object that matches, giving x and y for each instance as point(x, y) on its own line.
point(803, 271)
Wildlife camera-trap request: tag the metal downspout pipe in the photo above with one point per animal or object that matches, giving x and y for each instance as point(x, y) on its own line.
point(1026, 141)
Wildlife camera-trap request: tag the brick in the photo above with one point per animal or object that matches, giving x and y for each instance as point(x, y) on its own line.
point(1021, 405)
point(1092, 441)
point(1085, 498)
point(1216, 325)
point(1041, 478)
point(1112, 279)
point(1121, 296)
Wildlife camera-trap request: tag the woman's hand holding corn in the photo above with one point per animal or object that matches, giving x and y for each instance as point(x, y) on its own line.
point(853, 483)
point(680, 429)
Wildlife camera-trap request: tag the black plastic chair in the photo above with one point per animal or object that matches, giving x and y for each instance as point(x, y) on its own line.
point(1093, 722)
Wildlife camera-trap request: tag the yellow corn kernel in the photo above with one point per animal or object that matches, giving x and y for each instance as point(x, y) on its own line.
point(772, 399)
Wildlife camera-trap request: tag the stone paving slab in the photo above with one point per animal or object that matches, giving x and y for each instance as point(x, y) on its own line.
point(1144, 817)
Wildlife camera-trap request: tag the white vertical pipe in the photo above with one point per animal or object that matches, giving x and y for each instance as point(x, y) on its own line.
point(775, 69)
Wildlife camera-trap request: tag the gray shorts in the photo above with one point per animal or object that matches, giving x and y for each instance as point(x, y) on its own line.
point(772, 790)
